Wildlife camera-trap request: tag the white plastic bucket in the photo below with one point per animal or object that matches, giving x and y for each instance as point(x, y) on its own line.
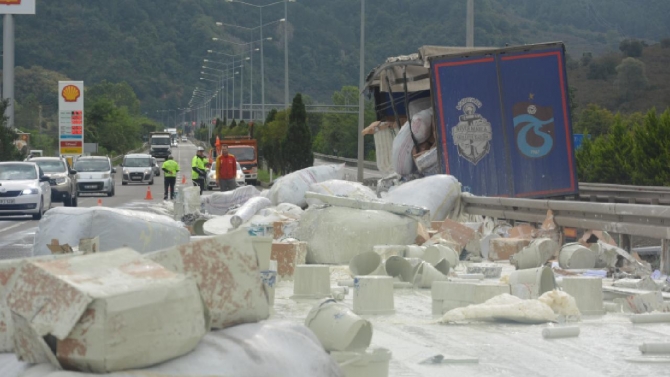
point(415, 251)
point(434, 254)
point(576, 256)
point(588, 293)
point(372, 363)
point(369, 263)
point(338, 328)
point(311, 281)
point(263, 248)
point(373, 295)
point(532, 283)
point(443, 266)
point(427, 275)
point(536, 254)
point(387, 251)
point(402, 268)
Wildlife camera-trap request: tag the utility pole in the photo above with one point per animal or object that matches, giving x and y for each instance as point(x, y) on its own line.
point(8, 67)
point(361, 98)
point(470, 25)
point(39, 120)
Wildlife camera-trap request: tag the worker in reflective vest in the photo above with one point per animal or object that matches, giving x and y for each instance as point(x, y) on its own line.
point(198, 170)
point(171, 168)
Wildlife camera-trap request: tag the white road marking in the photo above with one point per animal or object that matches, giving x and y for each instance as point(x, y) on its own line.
point(13, 226)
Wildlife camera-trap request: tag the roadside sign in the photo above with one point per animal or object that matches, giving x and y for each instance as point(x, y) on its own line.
point(579, 140)
point(17, 6)
point(71, 117)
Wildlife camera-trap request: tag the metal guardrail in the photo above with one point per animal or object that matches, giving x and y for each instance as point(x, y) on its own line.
point(630, 219)
point(349, 161)
point(595, 192)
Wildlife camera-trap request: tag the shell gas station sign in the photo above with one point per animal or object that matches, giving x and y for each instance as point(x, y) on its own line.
point(71, 117)
point(17, 6)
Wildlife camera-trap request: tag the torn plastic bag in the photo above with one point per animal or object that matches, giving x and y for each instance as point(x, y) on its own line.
point(291, 188)
point(438, 193)
point(269, 348)
point(117, 228)
point(219, 203)
point(249, 209)
point(335, 235)
point(345, 189)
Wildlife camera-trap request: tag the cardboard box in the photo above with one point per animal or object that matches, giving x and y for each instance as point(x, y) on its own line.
point(457, 232)
point(504, 248)
point(288, 255)
point(226, 269)
point(104, 312)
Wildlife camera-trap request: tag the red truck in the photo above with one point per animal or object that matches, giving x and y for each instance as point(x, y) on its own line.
point(245, 150)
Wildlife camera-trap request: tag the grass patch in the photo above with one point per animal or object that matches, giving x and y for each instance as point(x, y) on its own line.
point(264, 175)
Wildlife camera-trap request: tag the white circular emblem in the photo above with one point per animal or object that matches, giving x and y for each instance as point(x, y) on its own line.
point(2, 189)
point(532, 109)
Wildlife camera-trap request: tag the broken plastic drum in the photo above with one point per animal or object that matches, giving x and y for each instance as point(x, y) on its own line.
point(576, 256)
point(434, 254)
point(535, 255)
point(427, 275)
point(415, 251)
point(371, 363)
point(263, 248)
point(373, 295)
point(311, 281)
point(338, 328)
point(198, 227)
point(369, 263)
point(588, 293)
point(401, 268)
point(532, 283)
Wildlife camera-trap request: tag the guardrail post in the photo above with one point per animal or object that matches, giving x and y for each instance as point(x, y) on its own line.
point(665, 257)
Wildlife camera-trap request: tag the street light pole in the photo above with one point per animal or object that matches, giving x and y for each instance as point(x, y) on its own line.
point(8, 68)
point(262, 72)
point(361, 98)
point(286, 54)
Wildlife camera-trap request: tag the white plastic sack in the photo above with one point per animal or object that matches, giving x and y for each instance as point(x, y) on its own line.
point(403, 163)
point(504, 307)
point(346, 189)
point(220, 202)
point(289, 210)
point(10, 366)
point(335, 235)
point(384, 149)
point(438, 193)
point(427, 162)
point(422, 125)
point(269, 348)
point(291, 188)
point(221, 224)
point(248, 209)
point(117, 228)
point(420, 104)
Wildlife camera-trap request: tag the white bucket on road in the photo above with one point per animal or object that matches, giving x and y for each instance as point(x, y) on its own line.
point(263, 248)
point(576, 256)
point(338, 328)
point(311, 281)
point(427, 275)
point(373, 295)
point(434, 254)
point(369, 263)
point(372, 363)
point(535, 255)
point(415, 251)
point(532, 283)
point(443, 266)
point(387, 251)
point(402, 268)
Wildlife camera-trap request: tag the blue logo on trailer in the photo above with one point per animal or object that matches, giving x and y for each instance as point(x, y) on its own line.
point(534, 129)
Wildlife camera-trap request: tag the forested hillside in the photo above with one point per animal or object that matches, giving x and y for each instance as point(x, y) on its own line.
point(158, 46)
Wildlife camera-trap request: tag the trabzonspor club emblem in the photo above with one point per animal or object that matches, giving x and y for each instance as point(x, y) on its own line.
point(472, 135)
point(534, 129)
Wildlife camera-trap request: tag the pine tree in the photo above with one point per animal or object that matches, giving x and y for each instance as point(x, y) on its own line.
point(297, 144)
point(651, 151)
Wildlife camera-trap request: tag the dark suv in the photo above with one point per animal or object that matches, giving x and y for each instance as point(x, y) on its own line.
point(62, 179)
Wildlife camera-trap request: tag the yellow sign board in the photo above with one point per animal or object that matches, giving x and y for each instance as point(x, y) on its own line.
point(74, 150)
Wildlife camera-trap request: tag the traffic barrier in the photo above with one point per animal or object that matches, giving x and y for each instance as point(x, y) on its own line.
point(183, 179)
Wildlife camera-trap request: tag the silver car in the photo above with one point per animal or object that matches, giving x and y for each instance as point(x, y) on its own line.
point(95, 175)
point(156, 167)
point(212, 183)
point(137, 168)
point(24, 189)
point(62, 179)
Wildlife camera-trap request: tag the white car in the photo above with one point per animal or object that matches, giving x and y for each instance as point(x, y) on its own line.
point(211, 183)
point(24, 189)
point(184, 139)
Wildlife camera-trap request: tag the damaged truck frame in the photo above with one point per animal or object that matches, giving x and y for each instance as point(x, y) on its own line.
point(501, 116)
point(502, 126)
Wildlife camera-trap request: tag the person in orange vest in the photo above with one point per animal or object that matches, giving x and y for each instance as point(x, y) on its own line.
point(226, 170)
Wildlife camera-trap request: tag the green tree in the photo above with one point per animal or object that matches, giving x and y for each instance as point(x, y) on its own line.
point(631, 48)
point(651, 150)
point(273, 134)
point(611, 155)
point(297, 143)
point(631, 77)
point(595, 120)
point(8, 150)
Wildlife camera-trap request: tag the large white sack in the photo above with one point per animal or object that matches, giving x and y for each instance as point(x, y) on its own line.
point(338, 187)
point(422, 125)
point(248, 209)
point(438, 193)
point(403, 163)
point(219, 203)
point(10, 366)
point(335, 235)
point(117, 228)
point(269, 348)
point(291, 188)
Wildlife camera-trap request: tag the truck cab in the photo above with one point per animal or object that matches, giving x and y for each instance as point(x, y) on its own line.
point(160, 143)
point(245, 151)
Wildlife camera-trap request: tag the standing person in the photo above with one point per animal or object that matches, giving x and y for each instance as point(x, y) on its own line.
point(198, 172)
point(171, 168)
point(226, 170)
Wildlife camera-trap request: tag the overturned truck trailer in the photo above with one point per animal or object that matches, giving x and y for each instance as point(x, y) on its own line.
point(501, 116)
